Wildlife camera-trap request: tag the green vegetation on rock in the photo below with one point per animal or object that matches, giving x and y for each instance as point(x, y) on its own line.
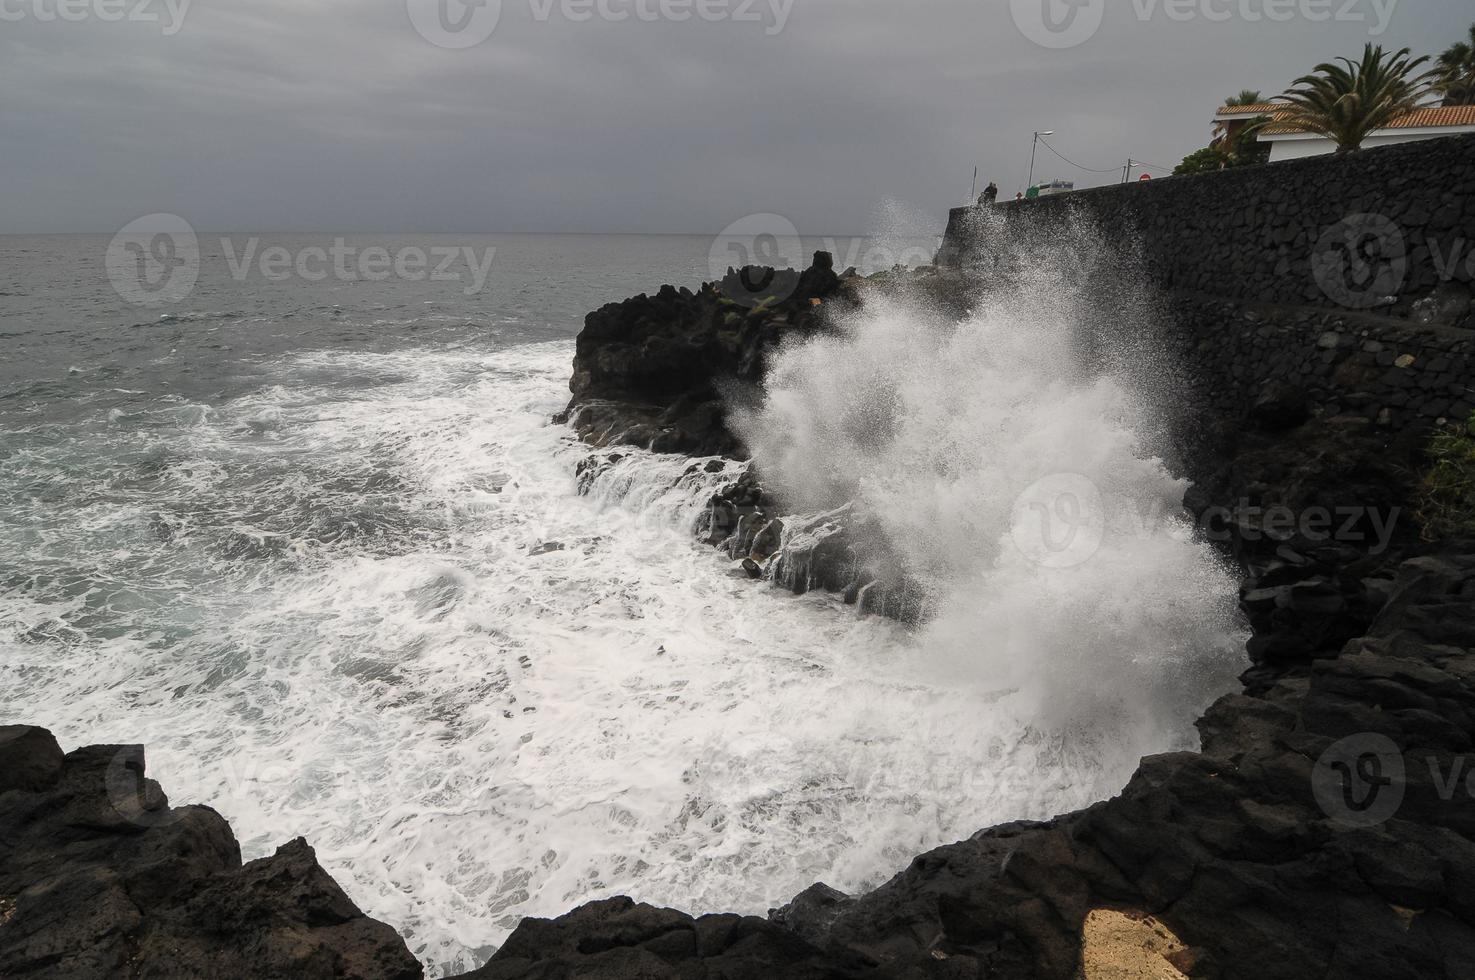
point(1224, 153)
point(1447, 492)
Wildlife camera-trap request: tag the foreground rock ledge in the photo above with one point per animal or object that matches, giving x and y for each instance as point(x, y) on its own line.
point(101, 877)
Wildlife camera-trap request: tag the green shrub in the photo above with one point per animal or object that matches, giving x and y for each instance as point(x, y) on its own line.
point(1447, 492)
point(1204, 161)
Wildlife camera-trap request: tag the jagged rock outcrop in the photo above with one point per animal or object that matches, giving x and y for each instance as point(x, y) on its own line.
point(649, 371)
point(618, 938)
point(1319, 518)
point(101, 877)
point(841, 551)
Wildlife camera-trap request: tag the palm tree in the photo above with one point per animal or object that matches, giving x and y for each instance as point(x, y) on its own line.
point(1246, 97)
point(1346, 100)
point(1456, 81)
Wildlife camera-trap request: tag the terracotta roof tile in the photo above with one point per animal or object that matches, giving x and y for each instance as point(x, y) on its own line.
point(1449, 115)
point(1434, 117)
point(1258, 109)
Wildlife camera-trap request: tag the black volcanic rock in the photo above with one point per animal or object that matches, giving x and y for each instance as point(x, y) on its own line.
point(30, 759)
point(101, 877)
point(619, 940)
point(649, 371)
point(1319, 518)
point(1279, 407)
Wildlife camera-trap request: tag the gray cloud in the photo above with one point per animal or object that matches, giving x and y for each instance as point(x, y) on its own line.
point(297, 115)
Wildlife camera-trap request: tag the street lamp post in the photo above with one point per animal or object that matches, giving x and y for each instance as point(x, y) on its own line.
point(1032, 150)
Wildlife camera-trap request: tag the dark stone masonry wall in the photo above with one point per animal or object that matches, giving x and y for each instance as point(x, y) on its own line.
point(1348, 277)
point(1394, 374)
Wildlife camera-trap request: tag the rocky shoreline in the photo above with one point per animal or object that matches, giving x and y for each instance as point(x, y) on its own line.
point(713, 348)
point(1325, 829)
point(1246, 851)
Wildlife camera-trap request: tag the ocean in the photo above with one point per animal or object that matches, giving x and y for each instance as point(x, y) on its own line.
point(313, 539)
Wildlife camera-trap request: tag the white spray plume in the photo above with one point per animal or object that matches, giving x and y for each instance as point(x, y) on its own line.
point(1009, 459)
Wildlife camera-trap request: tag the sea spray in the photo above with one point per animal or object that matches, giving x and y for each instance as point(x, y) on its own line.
point(1009, 460)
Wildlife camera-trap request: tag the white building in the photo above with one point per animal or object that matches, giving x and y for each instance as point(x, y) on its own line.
point(1291, 142)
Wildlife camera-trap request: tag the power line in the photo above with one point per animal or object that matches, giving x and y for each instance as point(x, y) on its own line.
point(1073, 163)
point(1159, 166)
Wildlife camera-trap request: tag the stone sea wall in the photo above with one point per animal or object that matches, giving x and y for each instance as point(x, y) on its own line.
point(1349, 278)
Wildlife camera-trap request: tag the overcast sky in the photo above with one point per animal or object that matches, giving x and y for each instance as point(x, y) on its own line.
point(340, 115)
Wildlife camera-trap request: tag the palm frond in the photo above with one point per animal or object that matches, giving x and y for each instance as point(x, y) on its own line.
point(1456, 71)
point(1347, 100)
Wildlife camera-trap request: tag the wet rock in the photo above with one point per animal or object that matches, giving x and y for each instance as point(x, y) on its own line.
point(846, 553)
point(735, 515)
point(811, 913)
point(767, 541)
point(652, 371)
point(1449, 303)
point(101, 877)
point(591, 468)
point(1280, 407)
point(30, 759)
point(617, 939)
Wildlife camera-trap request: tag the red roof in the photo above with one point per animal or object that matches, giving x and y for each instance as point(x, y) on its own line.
point(1431, 117)
point(1258, 109)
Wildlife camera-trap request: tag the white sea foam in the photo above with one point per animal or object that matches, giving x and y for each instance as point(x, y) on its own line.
point(333, 608)
point(468, 732)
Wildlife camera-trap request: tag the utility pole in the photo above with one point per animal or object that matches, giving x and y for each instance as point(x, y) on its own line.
point(1032, 150)
point(973, 194)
